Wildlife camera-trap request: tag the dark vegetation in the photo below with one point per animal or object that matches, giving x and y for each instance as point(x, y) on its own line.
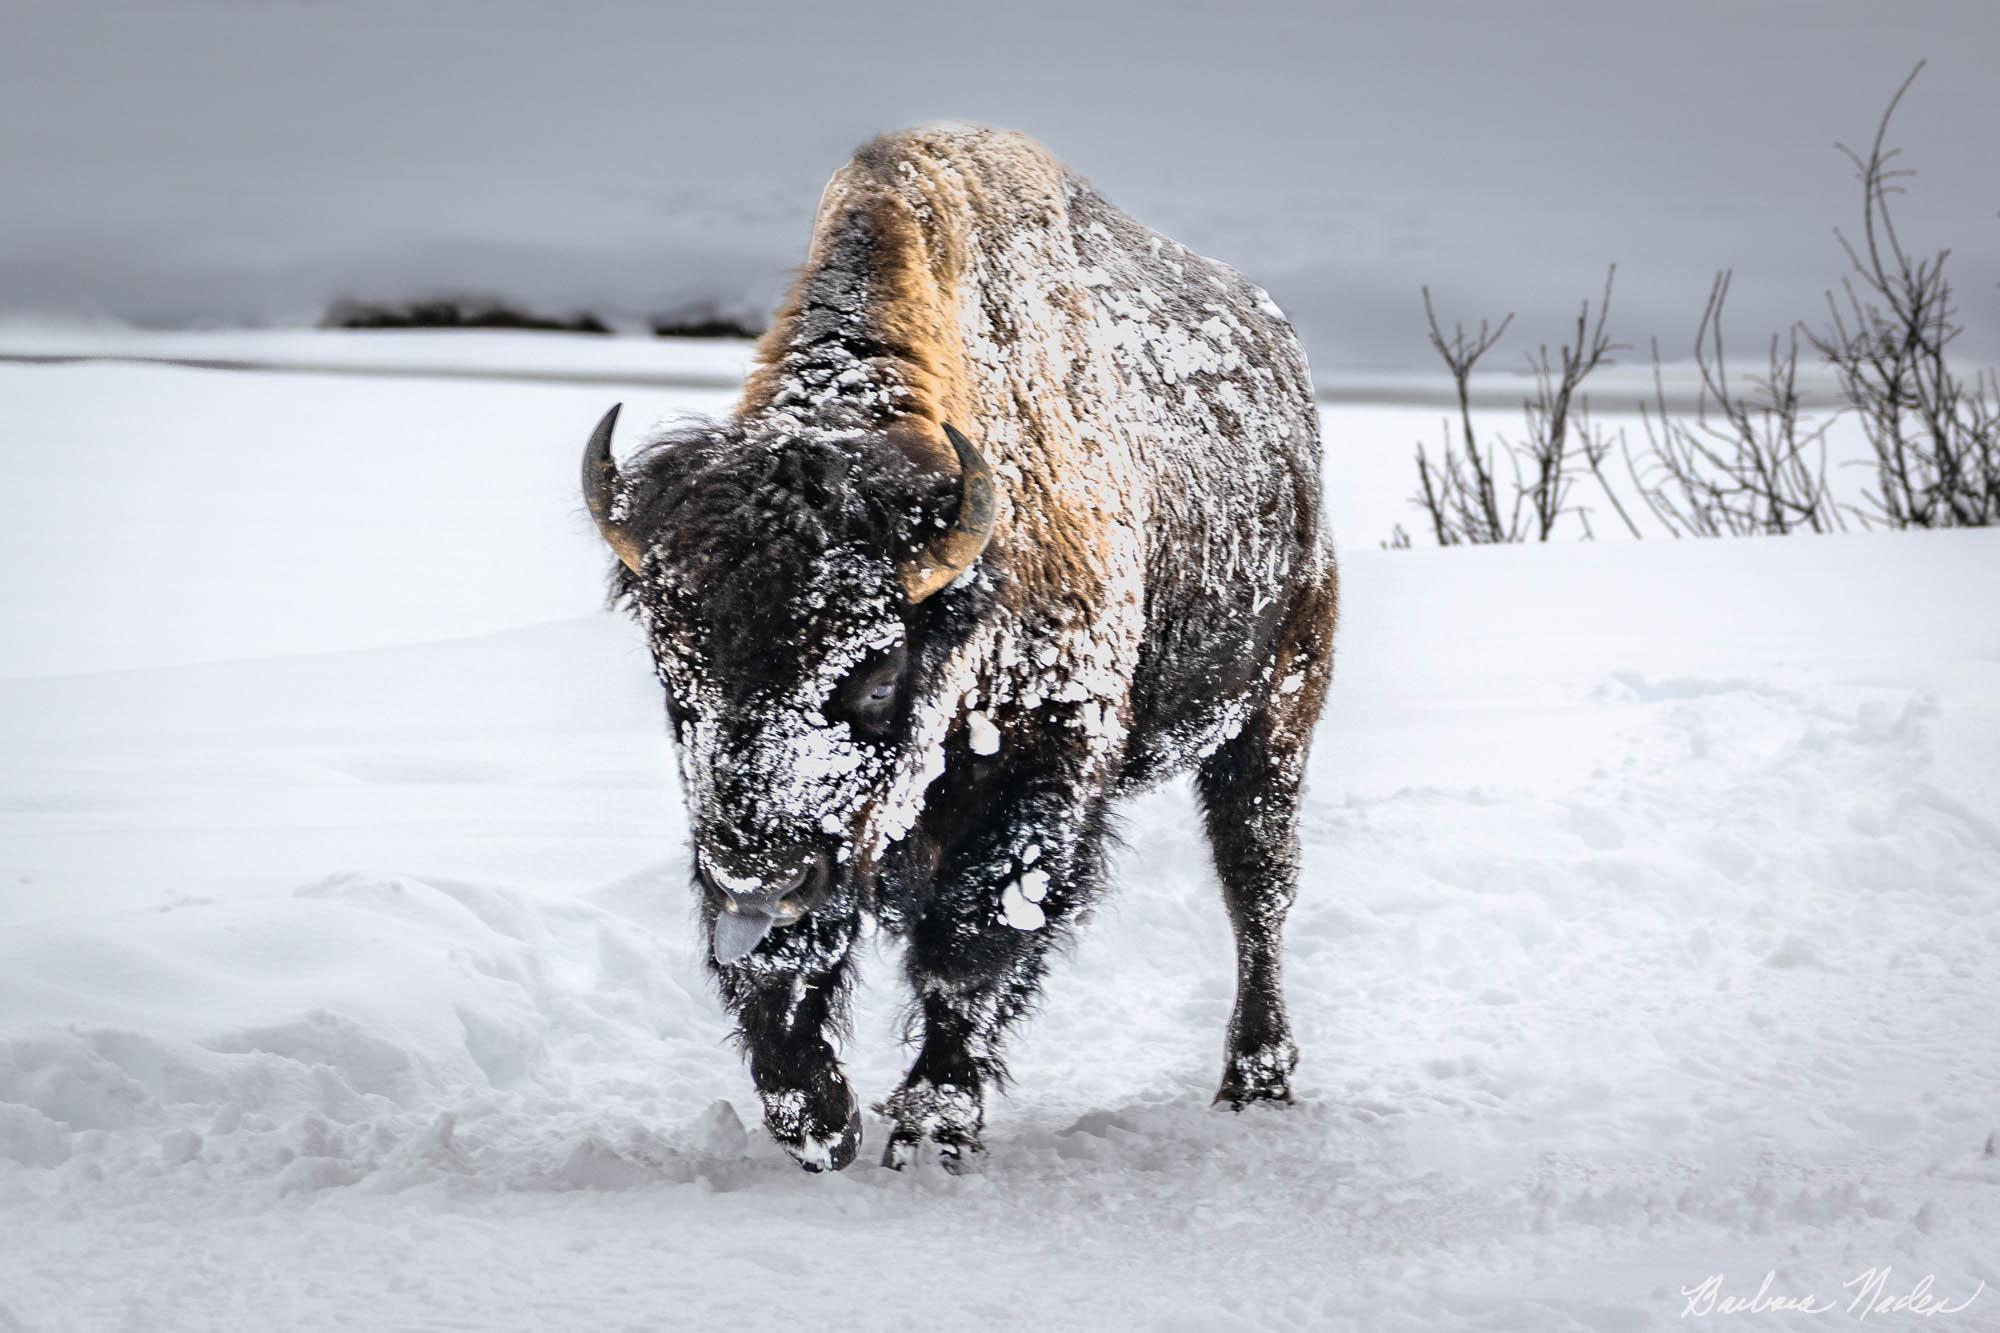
point(1751, 459)
point(453, 313)
point(450, 312)
point(702, 322)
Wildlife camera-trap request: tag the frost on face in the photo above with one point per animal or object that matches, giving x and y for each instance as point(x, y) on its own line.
point(762, 759)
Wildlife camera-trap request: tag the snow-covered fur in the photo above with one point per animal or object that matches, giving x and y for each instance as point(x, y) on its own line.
point(1157, 596)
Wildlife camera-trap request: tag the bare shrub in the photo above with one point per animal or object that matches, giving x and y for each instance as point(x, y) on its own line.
point(1750, 460)
point(1746, 463)
point(1935, 436)
point(1461, 491)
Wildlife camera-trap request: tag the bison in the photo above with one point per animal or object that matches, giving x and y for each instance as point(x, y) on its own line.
point(1019, 514)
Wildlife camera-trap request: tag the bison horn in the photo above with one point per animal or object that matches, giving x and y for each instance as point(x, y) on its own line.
point(600, 490)
point(953, 552)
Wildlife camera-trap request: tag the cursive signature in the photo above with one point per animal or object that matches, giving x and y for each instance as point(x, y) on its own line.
point(1868, 1293)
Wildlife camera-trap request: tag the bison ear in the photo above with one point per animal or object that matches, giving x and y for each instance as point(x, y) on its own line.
point(954, 552)
point(600, 490)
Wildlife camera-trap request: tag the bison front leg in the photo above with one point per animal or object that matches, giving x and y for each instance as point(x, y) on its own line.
point(790, 999)
point(976, 959)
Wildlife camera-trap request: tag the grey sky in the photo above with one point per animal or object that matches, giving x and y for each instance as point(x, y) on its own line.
point(217, 162)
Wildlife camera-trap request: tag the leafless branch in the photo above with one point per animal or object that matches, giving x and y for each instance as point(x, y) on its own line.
point(1935, 436)
point(1461, 491)
point(1748, 462)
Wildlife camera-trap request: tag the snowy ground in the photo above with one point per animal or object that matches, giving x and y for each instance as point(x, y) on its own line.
point(347, 978)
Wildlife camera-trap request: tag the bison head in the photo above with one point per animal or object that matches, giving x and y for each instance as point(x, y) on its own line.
point(789, 590)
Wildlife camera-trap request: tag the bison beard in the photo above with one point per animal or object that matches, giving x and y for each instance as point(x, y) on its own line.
point(1019, 514)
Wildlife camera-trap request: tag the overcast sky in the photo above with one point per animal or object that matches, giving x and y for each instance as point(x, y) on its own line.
point(215, 162)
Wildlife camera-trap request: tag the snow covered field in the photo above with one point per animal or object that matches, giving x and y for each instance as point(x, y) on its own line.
point(347, 978)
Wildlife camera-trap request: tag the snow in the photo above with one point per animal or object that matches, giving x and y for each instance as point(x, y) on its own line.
point(349, 972)
point(1020, 911)
point(982, 737)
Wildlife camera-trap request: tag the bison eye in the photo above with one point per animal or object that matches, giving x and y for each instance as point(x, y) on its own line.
point(867, 698)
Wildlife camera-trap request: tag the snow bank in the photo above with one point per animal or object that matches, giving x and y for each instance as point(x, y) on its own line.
point(357, 1029)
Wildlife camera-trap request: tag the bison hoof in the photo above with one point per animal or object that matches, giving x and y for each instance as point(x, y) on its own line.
point(815, 1148)
point(833, 1153)
point(1260, 1075)
point(943, 1114)
point(955, 1158)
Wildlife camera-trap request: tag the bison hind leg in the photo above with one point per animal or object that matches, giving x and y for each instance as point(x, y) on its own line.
point(1249, 790)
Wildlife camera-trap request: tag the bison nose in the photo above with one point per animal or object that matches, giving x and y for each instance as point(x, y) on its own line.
point(752, 893)
point(751, 905)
